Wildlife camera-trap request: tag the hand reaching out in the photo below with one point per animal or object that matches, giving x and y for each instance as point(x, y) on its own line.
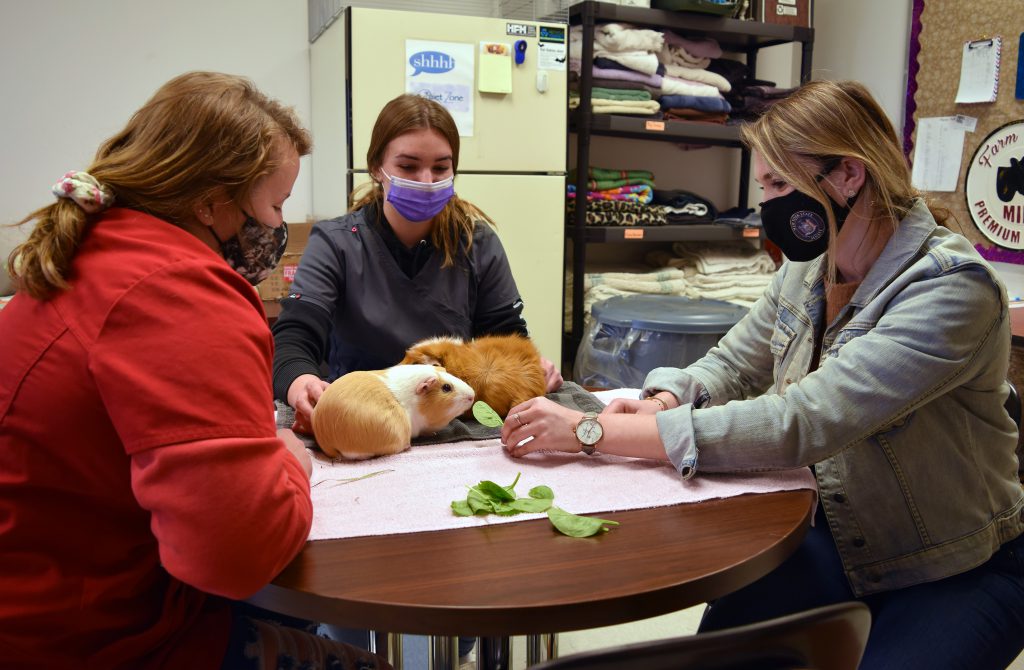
point(303, 395)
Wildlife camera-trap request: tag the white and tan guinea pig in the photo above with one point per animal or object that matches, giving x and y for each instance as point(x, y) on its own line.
point(374, 413)
point(504, 370)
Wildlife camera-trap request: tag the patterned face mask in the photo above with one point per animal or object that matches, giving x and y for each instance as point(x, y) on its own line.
point(256, 250)
point(798, 224)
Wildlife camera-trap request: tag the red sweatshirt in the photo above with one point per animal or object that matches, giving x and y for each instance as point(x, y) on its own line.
point(139, 464)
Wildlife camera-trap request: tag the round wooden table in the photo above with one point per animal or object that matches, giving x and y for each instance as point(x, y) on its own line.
point(525, 578)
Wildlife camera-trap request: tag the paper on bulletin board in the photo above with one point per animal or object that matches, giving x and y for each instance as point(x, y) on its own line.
point(443, 72)
point(495, 68)
point(938, 148)
point(979, 71)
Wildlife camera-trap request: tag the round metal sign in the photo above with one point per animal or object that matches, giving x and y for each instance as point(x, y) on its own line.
point(994, 186)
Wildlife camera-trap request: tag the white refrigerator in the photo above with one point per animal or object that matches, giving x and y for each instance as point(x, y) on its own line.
point(504, 82)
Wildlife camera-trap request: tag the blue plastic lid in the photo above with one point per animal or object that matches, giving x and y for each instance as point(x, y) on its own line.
point(668, 313)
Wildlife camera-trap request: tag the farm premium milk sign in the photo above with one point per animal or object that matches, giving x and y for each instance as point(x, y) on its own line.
point(994, 186)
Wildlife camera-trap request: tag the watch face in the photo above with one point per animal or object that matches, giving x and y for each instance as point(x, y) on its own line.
point(589, 431)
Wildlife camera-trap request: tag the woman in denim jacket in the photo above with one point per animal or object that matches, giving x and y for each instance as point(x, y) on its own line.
point(878, 356)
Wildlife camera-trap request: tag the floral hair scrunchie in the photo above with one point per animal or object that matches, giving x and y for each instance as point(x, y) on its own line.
point(85, 190)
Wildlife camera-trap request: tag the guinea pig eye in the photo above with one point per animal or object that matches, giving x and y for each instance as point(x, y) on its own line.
point(447, 388)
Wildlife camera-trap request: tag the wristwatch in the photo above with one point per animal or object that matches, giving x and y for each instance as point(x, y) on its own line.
point(589, 432)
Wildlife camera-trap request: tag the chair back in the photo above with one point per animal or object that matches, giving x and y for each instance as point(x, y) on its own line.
point(1012, 404)
point(1013, 408)
point(827, 638)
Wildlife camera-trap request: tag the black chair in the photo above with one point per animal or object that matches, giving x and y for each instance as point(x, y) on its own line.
point(1013, 408)
point(826, 638)
point(1012, 404)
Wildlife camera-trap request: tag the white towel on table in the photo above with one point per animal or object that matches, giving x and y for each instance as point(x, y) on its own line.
point(415, 491)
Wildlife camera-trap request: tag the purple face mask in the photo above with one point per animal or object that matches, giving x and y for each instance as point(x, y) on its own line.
point(419, 201)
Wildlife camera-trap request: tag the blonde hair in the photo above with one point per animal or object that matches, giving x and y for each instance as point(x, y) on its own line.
point(201, 132)
point(823, 121)
point(405, 114)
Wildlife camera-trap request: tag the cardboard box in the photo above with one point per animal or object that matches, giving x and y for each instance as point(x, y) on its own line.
point(787, 12)
point(279, 283)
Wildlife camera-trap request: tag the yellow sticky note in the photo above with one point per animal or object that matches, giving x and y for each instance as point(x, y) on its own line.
point(495, 68)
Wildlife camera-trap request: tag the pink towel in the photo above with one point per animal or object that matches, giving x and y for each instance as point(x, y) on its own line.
point(415, 491)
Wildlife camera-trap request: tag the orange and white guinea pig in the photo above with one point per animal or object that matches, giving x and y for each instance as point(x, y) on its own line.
point(374, 413)
point(504, 370)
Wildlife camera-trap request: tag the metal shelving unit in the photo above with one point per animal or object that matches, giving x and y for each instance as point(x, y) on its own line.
point(734, 36)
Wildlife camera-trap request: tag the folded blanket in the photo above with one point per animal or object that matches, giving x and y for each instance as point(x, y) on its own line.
point(639, 193)
point(619, 213)
point(705, 104)
point(601, 173)
point(676, 86)
point(706, 47)
point(684, 114)
point(698, 74)
point(677, 55)
point(570, 395)
point(710, 258)
point(640, 60)
point(637, 107)
point(598, 92)
point(622, 85)
point(624, 37)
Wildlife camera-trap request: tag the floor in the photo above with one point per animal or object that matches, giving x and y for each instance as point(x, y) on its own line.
point(670, 625)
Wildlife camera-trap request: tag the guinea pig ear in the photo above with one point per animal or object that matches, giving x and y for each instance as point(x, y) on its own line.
point(426, 384)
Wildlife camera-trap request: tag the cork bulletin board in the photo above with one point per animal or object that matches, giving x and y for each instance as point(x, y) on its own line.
point(940, 28)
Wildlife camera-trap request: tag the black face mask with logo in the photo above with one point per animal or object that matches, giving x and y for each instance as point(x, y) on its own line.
point(798, 224)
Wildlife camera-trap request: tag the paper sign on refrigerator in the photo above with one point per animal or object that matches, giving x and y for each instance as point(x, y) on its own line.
point(495, 67)
point(443, 72)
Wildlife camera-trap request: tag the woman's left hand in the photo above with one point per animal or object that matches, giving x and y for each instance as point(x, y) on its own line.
point(552, 377)
point(552, 427)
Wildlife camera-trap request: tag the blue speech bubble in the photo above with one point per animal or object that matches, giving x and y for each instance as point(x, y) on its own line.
point(434, 62)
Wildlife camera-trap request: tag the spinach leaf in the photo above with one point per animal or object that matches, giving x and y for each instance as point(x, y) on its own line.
point(485, 415)
point(531, 504)
point(578, 526)
point(495, 492)
point(542, 492)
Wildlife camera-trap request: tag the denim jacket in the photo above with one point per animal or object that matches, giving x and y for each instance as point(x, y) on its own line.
point(903, 420)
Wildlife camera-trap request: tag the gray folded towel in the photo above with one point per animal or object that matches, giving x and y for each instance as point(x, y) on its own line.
point(570, 395)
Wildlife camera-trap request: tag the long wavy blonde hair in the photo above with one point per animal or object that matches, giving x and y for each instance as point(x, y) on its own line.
point(825, 120)
point(200, 132)
point(402, 115)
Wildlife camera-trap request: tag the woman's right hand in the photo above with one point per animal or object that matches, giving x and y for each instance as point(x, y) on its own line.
point(303, 395)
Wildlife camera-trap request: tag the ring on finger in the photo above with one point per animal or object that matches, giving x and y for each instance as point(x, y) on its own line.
point(518, 420)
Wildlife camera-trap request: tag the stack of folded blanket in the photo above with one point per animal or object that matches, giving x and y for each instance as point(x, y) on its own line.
point(642, 71)
point(629, 198)
point(627, 49)
point(685, 62)
point(735, 272)
point(748, 97)
point(617, 198)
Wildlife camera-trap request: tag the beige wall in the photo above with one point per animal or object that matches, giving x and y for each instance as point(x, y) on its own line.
point(72, 73)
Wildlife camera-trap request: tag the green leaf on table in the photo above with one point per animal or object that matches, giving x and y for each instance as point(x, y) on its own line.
point(542, 492)
point(495, 492)
point(531, 504)
point(486, 416)
point(505, 509)
point(578, 526)
point(478, 502)
point(461, 508)
point(511, 488)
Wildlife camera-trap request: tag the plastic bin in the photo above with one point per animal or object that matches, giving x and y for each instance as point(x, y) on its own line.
point(629, 336)
point(717, 7)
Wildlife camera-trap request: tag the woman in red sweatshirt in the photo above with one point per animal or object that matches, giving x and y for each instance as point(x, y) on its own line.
point(143, 486)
